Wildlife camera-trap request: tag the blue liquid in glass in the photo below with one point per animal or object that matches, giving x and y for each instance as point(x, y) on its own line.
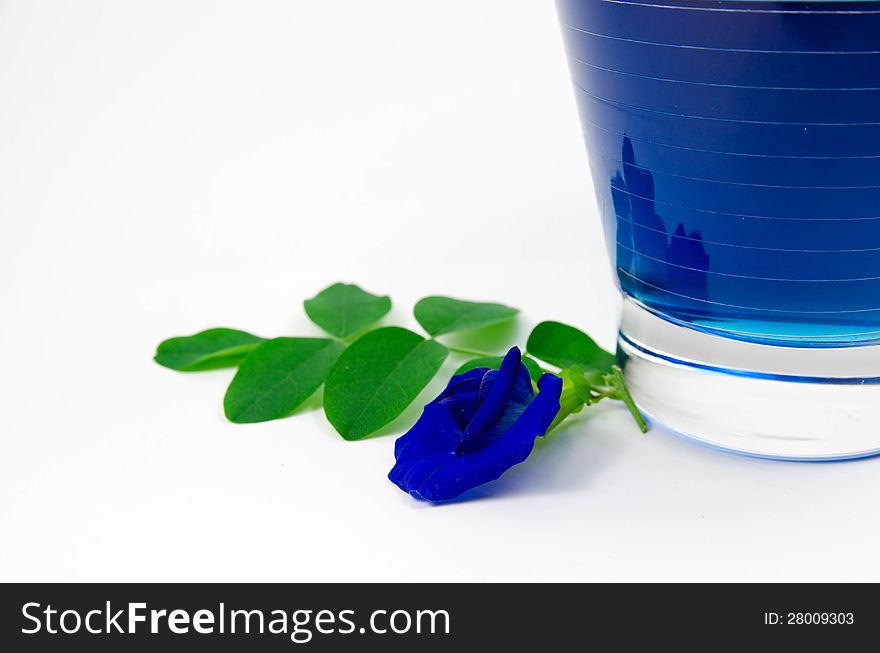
point(735, 151)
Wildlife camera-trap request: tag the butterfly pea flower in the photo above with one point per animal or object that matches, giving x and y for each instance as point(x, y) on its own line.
point(481, 425)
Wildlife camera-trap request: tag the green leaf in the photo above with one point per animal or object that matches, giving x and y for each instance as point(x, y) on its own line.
point(564, 346)
point(440, 315)
point(209, 350)
point(377, 377)
point(278, 377)
point(344, 309)
point(494, 363)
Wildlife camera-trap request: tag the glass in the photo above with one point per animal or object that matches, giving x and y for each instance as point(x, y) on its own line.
point(735, 152)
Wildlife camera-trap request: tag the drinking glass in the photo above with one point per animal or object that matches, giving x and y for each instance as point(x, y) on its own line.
point(734, 147)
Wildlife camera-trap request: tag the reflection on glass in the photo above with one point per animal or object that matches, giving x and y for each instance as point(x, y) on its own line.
point(667, 271)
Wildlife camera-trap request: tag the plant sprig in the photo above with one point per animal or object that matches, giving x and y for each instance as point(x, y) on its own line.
point(372, 373)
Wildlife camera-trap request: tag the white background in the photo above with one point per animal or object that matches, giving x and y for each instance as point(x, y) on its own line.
point(170, 166)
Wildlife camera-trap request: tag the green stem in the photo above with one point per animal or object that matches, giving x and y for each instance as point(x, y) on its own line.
point(626, 398)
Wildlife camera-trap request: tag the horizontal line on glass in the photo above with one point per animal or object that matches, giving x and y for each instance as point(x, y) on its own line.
point(734, 183)
point(736, 215)
point(742, 276)
point(829, 380)
point(756, 247)
point(715, 49)
point(722, 152)
point(735, 332)
point(736, 120)
point(847, 12)
point(759, 88)
point(746, 308)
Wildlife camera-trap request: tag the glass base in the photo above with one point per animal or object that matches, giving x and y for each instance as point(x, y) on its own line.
point(788, 403)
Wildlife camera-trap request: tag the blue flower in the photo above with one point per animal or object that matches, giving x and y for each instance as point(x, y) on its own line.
point(481, 425)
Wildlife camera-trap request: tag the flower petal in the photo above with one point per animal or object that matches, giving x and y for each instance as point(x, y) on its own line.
point(520, 396)
point(539, 415)
point(463, 472)
point(468, 382)
point(523, 390)
point(496, 401)
point(430, 442)
point(461, 406)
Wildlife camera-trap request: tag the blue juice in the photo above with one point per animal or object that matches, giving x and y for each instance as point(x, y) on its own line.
point(735, 151)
